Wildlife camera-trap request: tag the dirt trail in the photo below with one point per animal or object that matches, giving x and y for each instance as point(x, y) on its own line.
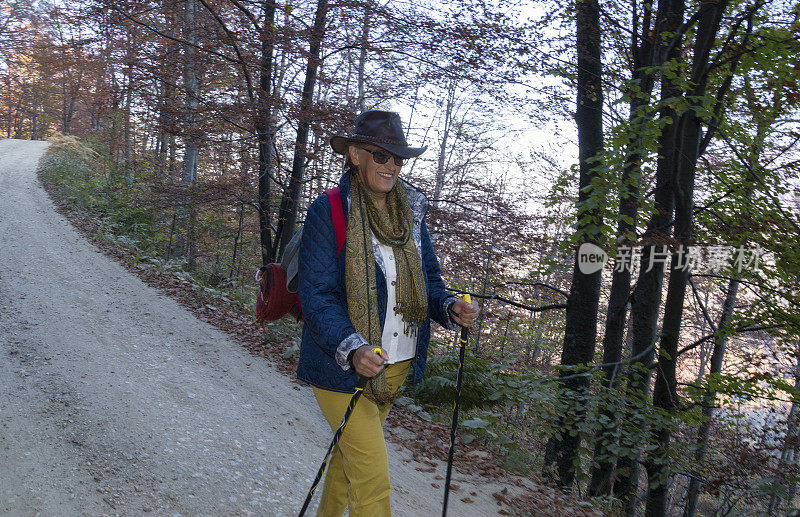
point(116, 400)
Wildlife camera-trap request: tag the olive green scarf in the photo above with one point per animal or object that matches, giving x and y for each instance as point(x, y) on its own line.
point(392, 229)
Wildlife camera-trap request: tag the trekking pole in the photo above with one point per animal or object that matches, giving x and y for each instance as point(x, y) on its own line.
point(362, 382)
point(459, 377)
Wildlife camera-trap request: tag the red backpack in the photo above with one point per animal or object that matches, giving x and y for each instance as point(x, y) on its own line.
point(275, 297)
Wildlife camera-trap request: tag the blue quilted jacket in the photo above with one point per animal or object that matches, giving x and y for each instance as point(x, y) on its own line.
point(328, 334)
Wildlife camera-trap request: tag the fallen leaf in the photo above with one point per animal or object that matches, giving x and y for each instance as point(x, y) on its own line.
point(466, 500)
point(500, 498)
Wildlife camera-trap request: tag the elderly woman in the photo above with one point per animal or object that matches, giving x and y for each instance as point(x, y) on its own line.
point(380, 292)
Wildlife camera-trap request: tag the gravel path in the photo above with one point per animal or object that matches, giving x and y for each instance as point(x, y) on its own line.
point(116, 400)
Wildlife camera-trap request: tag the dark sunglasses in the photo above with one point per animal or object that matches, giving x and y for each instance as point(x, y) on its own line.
point(382, 157)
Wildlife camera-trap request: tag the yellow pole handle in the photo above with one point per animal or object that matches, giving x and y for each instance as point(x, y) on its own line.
point(467, 298)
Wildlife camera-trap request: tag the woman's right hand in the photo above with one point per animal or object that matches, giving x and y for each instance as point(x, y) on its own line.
point(367, 362)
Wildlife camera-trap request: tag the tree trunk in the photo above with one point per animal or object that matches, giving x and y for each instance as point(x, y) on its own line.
point(448, 119)
point(765, 120)
point(34, 124)
point(362, 57)
point(127, 122)
point(581, 320)
point(789, 453)
point(482, 302)
point(644, 56)
point(287, 215)
point(236, 239)
point(67, 107)
point(717, 357)
point(192, 85)
point(646, 298)
point(162, 139)
point(166, 122)
point(665, 394)
point(265, 132)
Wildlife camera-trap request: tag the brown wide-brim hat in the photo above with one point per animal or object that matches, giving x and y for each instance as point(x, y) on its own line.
point(379, 128)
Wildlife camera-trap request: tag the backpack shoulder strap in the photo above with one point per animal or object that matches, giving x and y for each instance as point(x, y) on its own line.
point(337, 215)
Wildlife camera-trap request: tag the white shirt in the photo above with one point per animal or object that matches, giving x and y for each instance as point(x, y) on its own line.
point(398, 346)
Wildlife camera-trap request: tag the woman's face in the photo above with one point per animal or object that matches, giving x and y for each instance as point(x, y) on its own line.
point(378, 178)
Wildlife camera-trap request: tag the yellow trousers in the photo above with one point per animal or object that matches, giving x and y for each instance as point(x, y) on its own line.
point(358, 472)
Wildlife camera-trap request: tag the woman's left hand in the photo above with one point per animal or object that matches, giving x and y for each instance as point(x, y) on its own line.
point(463, 313)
